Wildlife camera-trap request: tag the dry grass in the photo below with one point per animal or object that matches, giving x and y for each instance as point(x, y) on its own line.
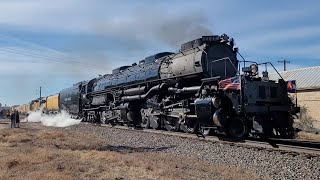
point(309, 136)
point(305, 121)
point(57, 154)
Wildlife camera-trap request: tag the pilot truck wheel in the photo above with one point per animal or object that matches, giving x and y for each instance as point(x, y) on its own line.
point(238, 128)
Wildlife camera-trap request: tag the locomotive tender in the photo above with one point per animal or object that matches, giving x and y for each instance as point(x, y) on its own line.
point(198, 89)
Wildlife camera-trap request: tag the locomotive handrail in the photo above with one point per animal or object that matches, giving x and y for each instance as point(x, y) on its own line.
point(250, 61)
point(260, 64)
point(273, 68)
point(210, 79)
point(225, 70)
point(244, 61)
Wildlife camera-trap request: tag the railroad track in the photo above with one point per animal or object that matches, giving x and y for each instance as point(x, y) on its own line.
point(309, 148)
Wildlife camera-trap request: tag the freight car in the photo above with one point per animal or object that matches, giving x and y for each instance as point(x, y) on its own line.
point(185, 91)
point(4, 112)
point(51, 104)
point(34, 105)
point(22, 109)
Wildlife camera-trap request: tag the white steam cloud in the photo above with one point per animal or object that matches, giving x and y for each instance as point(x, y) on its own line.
point(62, 119)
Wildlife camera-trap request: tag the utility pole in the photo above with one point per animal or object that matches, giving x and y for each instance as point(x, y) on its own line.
point(284, 64)
point(40, 94)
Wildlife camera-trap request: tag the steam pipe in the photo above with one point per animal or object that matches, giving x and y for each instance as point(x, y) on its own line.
point(134, 91)
point(185, 90)
point(153, 91)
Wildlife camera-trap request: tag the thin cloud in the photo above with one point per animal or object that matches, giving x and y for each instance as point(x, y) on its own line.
point(308, 51)
point(277, 35)
point(83, 17)
point(263, 20)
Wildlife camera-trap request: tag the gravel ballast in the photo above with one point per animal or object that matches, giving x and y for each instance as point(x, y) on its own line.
point(266, 163)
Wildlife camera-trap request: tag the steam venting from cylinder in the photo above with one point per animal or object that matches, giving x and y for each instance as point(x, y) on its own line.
point(62, 119)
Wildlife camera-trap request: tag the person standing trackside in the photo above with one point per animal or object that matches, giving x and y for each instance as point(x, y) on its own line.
point(17, 118)
point(13, 120)
point(97, 118)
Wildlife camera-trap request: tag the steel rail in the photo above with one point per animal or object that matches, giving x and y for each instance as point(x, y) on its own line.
point(309, 148)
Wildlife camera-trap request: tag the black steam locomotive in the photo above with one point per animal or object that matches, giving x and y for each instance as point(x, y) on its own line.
point(198, 89)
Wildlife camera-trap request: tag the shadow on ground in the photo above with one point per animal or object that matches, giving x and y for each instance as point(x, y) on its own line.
point(120, 149)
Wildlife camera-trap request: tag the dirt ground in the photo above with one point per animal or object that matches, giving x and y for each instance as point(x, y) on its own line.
point(37, 152)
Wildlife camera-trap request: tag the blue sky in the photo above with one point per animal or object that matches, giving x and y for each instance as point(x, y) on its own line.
point(54, 44)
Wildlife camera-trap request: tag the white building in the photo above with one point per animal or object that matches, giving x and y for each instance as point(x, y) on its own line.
point(308, 89)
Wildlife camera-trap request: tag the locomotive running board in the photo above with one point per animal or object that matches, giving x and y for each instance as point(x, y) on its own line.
point(211, 79)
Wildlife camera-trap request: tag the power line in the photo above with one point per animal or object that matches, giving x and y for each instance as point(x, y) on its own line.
point(17, 51)
point(32, 54)
point(2, 36)
point(20, 52)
